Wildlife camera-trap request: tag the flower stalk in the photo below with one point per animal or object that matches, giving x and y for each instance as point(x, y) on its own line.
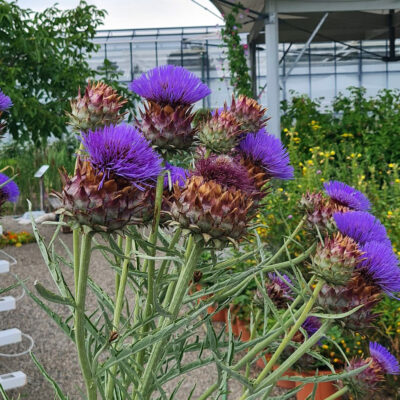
point(80, 333)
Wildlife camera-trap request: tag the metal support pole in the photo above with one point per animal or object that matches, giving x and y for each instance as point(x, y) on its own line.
point(253, 68)
point(272, 54)
point(306, 46)
point(41, 185)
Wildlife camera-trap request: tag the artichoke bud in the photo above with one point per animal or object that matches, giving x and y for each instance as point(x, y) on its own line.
point(99, 106)
point(206, 208)
point(168, 128)
point(336, 259)
point(104, 204)
point(249, 113)
point(320, 210)
point(220, 134)
point(342, 299)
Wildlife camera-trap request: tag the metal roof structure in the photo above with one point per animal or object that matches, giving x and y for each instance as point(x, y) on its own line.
point(306, 21)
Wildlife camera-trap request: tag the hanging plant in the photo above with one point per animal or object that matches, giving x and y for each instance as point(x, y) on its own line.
point(239, 71)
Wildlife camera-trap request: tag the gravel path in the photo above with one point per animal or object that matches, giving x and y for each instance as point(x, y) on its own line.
point(53, 349)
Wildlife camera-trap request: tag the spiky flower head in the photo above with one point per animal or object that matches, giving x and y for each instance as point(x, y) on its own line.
point(168, 128)
point(214, 205)
point(99, 106)
point(8, 190)
point(336, 259)
point(380, 265)
point(278, 289)
point(249, 113)
point(268, 153)
point(361, 226)
point(169, 84)
point(5, 102)
point(387, 361)
point(343, 299)
point(369, 381)
point(347, 196)
point(319, 211)
point(226, 171)
point(175, 175)
point(122, 151)
point(311, 325)
point(104, 204)
point(221, 133)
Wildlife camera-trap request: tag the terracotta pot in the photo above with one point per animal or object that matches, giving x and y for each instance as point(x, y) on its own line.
point(241, 328)
point(324, 389)
point(219, 316)
point(261, 363)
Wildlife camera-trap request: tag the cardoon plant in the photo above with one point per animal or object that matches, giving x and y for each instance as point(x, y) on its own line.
point(162, 228)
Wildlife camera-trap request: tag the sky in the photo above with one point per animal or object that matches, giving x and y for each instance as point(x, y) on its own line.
point(142, 13)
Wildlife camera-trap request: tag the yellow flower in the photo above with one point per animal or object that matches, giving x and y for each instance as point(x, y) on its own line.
point(391, 165)
point(280, 190)
point(286, 130)
point(18, 244)
point(390, 213)
point(332, 153)
point(322, 180)
point(310, 162)
point(397, 180)
point(325, 346)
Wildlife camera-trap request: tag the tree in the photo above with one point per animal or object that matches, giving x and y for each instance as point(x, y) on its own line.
point(43, 60)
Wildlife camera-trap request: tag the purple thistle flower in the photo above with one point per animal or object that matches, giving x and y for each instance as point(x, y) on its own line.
point(347, 196)
point(226, 171)
point(5, 101)
point(384, 358)
point(361, 226)
point(311, 325)
point(169, 84)
point(381, 266)
point(10, 191)
point(268, 152)
point(281, 282)
point(122, 151)
point(178, 175)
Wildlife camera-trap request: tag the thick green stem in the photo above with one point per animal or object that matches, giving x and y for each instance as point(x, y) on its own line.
point(208, 392)
point(180, 290)
point(80, 316)
point(291, 333)
point(300, 351)
point(149, 306)
point(77, 253)
point(338, 394)
point(117, 275)
point(285, 342)
point(118, 309)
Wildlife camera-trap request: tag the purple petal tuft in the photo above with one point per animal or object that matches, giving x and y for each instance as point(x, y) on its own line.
point(178, 175)
point(380, 264)
point(123, 151)
point(347, 196)
point(169, 84)
point(384, 358)
point(268, 152)
point(361, 226)
point(311, 325)
point(5, 101)
point(10, 190)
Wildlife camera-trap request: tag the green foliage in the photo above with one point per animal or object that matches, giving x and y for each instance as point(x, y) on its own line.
point(24, 160)
point(110, 74)
point(239, 71)
point(43, 59)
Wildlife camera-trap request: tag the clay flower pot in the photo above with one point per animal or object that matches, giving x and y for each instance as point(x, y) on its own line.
point(261, 363)
point(324, 389)
point(219, 316)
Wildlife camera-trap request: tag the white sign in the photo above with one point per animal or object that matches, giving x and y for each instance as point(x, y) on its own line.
point(41, 171)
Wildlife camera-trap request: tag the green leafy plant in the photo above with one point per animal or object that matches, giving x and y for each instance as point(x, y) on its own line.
point(239, 71)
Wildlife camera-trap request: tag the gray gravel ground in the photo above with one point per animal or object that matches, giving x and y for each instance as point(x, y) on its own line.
point(53, 349)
